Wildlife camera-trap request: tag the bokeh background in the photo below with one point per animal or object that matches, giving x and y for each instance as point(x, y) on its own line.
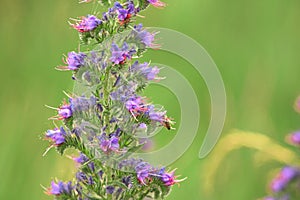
point(255, 44)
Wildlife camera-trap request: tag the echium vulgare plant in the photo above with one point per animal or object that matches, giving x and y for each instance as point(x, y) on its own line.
point(106, 112)
point(286, 184)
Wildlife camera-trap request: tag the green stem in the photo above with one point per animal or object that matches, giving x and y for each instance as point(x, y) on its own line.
point(107, 99)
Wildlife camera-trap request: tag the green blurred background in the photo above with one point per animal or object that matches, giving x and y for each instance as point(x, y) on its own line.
point(256, 45)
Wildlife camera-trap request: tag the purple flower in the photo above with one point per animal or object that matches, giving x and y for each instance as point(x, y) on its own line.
point(100, 174)
point(157, 3)
point(110, 189)
point(130, 7)
point(75, 60)
point(294, 138)
point(168, 178)
point(119, 55)
point(145, 70)
point(156, 115)
point(124, 91)
point(117, 132)
point(152, 73)
point(81, 177)
point(77, 104)
point(83, 103)
point(143, 170)
point(127, 180)
point(142, 176)
point(88, 23)
point(55, 188)
point(77, 131)
point(56, 135)
point(90, 180)
point(109, 144)
point(60, 188)
point(117, 6)
point(124, 14)
point(132, 105)
point(135, 105)
point(146, 37)
point(284, 178)
point(108, 14)
point(289, 172)
point(143, 126)
point(277, 185)
point(65, 111)
point(81, 159)
point(92, 166)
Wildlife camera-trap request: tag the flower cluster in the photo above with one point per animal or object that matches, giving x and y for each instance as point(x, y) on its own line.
point(294, 138)
point(106, 111)
point(75, 105)
point(119, 55)
point(283, 180)
point(87, 24)
point(146, 37)
point(146, 173)
point(144, 71)
point(109, 144)
point(65, 111)
point(74, 61)
point(286, 182)
point(124, 13)
point(60, 189)
point(57, 135)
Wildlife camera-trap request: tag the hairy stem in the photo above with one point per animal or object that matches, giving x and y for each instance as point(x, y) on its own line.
point(107, 99)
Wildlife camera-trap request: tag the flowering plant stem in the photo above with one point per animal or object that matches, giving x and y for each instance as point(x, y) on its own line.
point(106, 99)
point(104, 119)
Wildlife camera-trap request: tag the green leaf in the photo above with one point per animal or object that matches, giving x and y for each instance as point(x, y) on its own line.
point(120, 184)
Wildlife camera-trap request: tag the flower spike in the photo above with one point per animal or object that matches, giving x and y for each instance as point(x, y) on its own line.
point(104, 115)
